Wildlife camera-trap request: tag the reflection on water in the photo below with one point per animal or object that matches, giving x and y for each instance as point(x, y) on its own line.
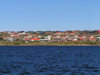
point(48, 60)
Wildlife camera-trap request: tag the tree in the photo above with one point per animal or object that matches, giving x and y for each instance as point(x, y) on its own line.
point(1, 39)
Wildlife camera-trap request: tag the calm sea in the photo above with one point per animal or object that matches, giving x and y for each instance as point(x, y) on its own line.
point(50, 60)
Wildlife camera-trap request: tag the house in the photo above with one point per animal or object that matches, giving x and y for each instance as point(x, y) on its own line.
point(34, 39)
point(92, 38)
point(63, 37)
point(26, 39)
point(82, 38)
point(75, 39)
point(56, 38)
point(21, 33)
point(98, 31)
point(14, 34)
point(98, 38)
point(72, 33)
point(70, 39)
point(58, 32)
point(10, 39)
point(48, 37)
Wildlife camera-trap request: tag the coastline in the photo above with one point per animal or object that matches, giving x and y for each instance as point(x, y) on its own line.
point(21, 43)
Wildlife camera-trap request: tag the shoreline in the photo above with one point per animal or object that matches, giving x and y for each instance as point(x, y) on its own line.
point(21, 43)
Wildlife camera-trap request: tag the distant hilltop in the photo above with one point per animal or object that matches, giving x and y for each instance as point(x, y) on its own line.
point(57, 31)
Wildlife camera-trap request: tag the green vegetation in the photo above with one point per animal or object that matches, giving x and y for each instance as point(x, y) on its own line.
point(69, 43)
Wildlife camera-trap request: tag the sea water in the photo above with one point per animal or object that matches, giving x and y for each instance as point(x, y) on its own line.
point(49, 60)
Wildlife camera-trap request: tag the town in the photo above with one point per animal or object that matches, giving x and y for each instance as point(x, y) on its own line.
point(51, 36)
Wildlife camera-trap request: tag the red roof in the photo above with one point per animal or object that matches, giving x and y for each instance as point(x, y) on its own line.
point(58, 32)
point(26, 35)
point(92, 38)
point(14, 34)
point(82, 38)
point(98, 31)
point(54, 36)
point(35, 39)
point(26, 39)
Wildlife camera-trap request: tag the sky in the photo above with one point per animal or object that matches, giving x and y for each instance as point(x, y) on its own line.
point(35, 15)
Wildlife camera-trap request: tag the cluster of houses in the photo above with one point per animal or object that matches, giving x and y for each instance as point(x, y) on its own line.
point(51, 36)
